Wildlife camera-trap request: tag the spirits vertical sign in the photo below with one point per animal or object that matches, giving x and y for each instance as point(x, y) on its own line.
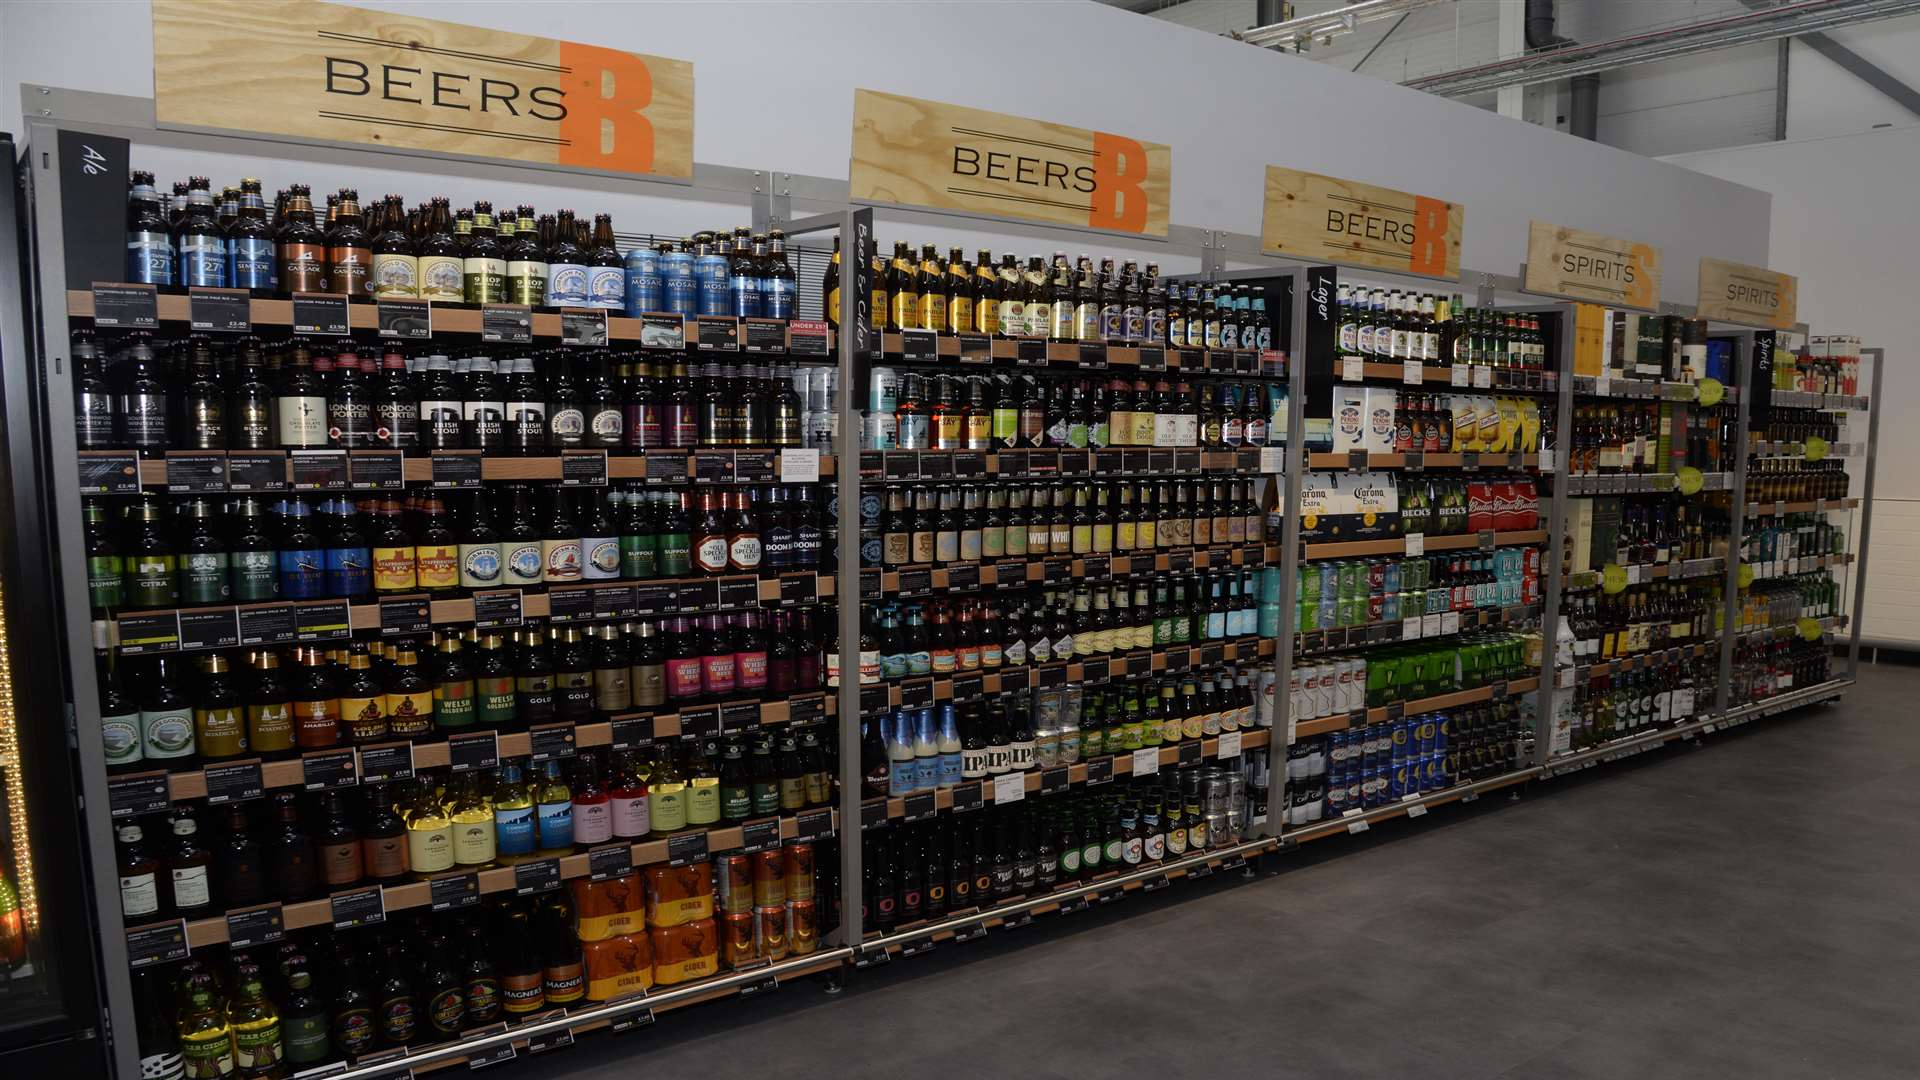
point(1310, 216)
point(325, 71)
point(927, 153)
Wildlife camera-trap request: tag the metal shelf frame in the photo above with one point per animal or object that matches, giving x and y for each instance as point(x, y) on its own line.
point(802, 205)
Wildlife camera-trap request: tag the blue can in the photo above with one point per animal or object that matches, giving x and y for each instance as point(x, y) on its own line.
point(1402, 739)
point(1440, 724)
point(1336, 795)
point(1404, 773)
point(1423, 733)
point(646, 289)
point(1356, 781)
point(1373, 786)
point(681, 291)
point(1338, 751)
point(1436, 776)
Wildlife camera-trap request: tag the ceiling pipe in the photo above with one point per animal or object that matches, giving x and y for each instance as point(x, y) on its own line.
point(1583, 115)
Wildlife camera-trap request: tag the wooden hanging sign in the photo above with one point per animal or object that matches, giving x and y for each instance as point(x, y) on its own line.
point(1325, 218)
point(1735, 292)
point(1581, 265)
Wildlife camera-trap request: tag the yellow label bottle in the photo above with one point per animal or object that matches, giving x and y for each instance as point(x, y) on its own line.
point(429, 833)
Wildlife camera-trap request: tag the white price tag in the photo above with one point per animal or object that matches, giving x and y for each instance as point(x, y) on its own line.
point(1547, 463)
point(1482, 378)
point(1450, 622)
point(1633, 574)
point(1564, 678)
point(1010, 787)
point(1416, 544)
point(1417, 810)
point(1146, 762)
point(1352, 369)
point(1413, 372)
point(1430, 625)
point(1273, 459)
point(800, 466)
point(1229, 745)
point(1410, 628)
point(1357, 826)
point(1460, 375)
point(1602, 386)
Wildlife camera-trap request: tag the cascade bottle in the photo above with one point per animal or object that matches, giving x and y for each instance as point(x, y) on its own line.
point(383, 838)
point(338, 845)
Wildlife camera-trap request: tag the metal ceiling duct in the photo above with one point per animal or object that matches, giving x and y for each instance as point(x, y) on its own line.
point(1300, 31)
point(1790, 19)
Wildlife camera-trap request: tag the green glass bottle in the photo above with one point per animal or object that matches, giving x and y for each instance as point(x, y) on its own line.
point(206, 1041)
point(258, 1048)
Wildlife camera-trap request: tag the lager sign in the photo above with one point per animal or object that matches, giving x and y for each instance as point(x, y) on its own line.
point(1309, 216)
point(926, 153)
point(323, 71)
point(1735, 292)
point(1583, 265)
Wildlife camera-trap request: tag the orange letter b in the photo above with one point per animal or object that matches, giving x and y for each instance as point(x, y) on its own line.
point(1430, 221)
point(1119, 167)
point(599, 115)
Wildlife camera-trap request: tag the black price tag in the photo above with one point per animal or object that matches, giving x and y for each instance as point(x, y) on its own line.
point(919, 345)
point(492, 1055)
point(655, 599)
point(612, 861)
point(1499, 690)
point(1138, 461)
point(1043, 462)
point(1153, 358)
point(109, 473)
point(1179, 659)
point(1357, 461)
point(977, 930)
point(1160, 461)
point(976, 349)
point(1486, 539)
point(552, 1040)
point(1075, 462)
point(319, 470)
point(968, 687)
point(1053, 570)
point(255, 926)
point(760, 835)
point(1014, 463)
point(583, 468)
point(968, 796)
point(508, 324)
point(663, 332)
point(1212, 653)
point(1050, 676)
point(719, 333)
point(813, 823)
point(538, 876)
point(1190, 752)
point(739, 716)
point(550, 742)
point(456, 469)
point(1396, 710)
point(936, 465)
point(1470, 460)
point(1096, 567)
point(328, 769)
point(320, 313)
point(920, 806)
point(236, 781)
point(1029, 352)
point(916, 582)
point(714, 466)
point(584, 326)
point(408, 615)
point(1100, 769)
point(269, 625)
point(873, 814)
point(126, 307)
point(1187, 461)
point(614, 602)
point(491, 609)
point(358, 907)
point(257, 471)
point(160, 943)
point(1093, 355)
point(739, 592)
point(196, 474)
point(1109, 462)
point(631, 1020)
point(388, 761)
point(410, 319)
point(798, 589)
point(212, 628)
point(667, 467)
point(569, 605)
point(807, 710)
point(873, 699)
point(765, 984)
point(1008, 571)
point(150, 632)
point(1052, 780)
point(872, 585)
point(966, 576)
point(753, 466)
point(632, 732)
point(141, 793)
point(969, 463)
point(903, 465)
point(916, 947)
point(326, 621)
point(700, 723)
point(377, 470)
point(686, 848)
point(471, 750)
point(765, 335)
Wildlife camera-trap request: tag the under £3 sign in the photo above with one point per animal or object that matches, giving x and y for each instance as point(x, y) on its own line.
point(1324, 218)
point(323, 71)
point(912, 152)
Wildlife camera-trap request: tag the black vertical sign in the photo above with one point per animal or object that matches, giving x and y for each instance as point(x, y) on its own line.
point(864, 316)
point(93, 207)
point(1322, 328)
point(1757, 389)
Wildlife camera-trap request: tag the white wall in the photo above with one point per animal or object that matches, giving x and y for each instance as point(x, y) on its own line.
point(775, 81)
point(1843, 222)
point(1824, 99)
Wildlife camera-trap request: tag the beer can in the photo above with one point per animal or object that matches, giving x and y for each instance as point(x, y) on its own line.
point(770, 878)
point(1336, 795)
point(1338, 750)
point(1268, 682)
point(1426, 734)
point(1400, 741)
point(1404, 772)
point(733, 880)
point(770, 931)
point(799, 870)
point(883, 392)
point(803, 927)
point(736, 933)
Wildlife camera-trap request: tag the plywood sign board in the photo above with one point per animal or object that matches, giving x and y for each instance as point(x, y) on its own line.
point(324, 71)
point(1581, 265)
point(913, 152)
point(1735, 292)
point(1310, 216)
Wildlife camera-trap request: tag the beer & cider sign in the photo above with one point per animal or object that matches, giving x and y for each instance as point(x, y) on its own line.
point(926, 153)
point(1315, 217)
point(324, 71)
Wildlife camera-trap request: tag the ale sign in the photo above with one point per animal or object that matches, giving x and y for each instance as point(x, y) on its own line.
point(1735, 292)
point(1583, 265)
point(1314, 217)
point(322, 71)
point(926, 153)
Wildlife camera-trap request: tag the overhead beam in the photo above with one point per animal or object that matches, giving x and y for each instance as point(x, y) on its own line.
point(1865, 70)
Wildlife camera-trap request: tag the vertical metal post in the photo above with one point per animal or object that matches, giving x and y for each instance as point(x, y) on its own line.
point(1879, 358)
point(856, 238)
point(1547, 700)
point(1294, 463)
point(1736, 517)
point(69, 560)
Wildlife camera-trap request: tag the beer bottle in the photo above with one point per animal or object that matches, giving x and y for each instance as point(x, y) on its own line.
point(515, 948)
point(666, 792)
point(158, 1041)
point(606, 272)
point(442, 268)
point(931, 285)
point(396, 269)
point(534, 696)
point(903, 290)
point(291, 872)
point(396, 1010)
point(1060, 294)
point(494, 700)
point(830, 287)
point(553, 809)
point(443, 994)
point(436, 553)
point(560, 545)
point(472, 816)
point(483, 263)
point(349, 251)
point(409, 703)
point(572, 678)
point(429, 828)
point(526, 281)
point(300, 245)
point(453, 704)
point(206, 1038)
point(1038, 313)
point(338, 845)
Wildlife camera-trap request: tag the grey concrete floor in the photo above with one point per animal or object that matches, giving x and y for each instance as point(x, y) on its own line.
point(1745, 909)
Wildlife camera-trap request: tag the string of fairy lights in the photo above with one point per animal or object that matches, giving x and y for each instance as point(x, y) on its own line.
point(15, 791)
